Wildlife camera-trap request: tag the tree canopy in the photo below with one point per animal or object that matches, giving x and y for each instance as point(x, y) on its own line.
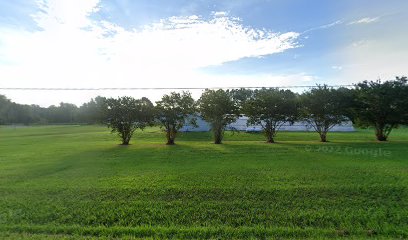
point(324, 107)
point(93, 111)
point(382, 105)
point(64, 113)
point(126, 114)
point(271, 108)
point(172, 112)
point(219, 109)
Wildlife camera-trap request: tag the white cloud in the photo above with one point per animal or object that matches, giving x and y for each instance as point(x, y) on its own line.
point(337, 68)
point(74, 14)
point(365, 20)
point(191, 42)
point(73, 50)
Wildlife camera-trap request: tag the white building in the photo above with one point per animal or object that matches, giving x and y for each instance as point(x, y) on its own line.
point(241, 125)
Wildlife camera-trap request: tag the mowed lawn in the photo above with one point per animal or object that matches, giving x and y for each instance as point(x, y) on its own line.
point(76, 182)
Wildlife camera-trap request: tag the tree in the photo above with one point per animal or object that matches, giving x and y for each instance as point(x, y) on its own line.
point(271, 108)
point(126, 114)
point(324, 107)
point(4, 107)
point(219, 109)
point(172, 112)
point(382, 105)
point(93, 111)
point(241, 96)
point(14, 113)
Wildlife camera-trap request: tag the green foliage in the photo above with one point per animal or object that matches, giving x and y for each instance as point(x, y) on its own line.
point(93, 111)
point(4, 103)
point(65, 113)
point(323, 107)
point(74, 182)
point(11, 112)
point(241, 96)
point(219, 109)
point(172, 112)
point(382, 105)
point(271, 108)
point(127, 114)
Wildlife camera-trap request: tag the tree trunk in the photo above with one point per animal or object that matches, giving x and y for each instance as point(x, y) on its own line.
point(170, 141)
point(323, 137)
point(379, 133)
point(218, 135)
point(171, 137)
point(126, 135)
point(270, 136)
point(270, 140)
point(125, 140)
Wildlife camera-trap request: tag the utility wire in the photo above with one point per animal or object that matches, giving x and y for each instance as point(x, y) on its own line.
point(151, 88)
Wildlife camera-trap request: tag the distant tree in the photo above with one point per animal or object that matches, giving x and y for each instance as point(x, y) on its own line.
point(382, 105)
point(219, 109)
point(39, 114)
point(172, 112)
point(99, 115)
point(93, 111)
point(126, 114)
point(4, 106)
point(324, 107)
point(64, 113)
point(271, 108)
point(14, 113)
point(20, 114)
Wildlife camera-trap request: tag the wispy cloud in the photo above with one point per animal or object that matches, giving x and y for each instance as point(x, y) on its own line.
point(365, 20)
point(325, 26)
point(340, 22)
point(359, 43)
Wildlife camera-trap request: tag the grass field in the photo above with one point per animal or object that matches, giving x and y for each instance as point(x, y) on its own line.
point(76, 182)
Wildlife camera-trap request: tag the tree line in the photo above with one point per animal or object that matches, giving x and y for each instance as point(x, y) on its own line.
point(65, 113)
point(377, 104)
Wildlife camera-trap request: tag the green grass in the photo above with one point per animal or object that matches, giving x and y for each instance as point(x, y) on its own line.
point(76, 182)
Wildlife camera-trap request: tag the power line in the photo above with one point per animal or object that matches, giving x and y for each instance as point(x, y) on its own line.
point(153, 88)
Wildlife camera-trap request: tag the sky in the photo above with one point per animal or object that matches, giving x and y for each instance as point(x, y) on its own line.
point(195, 43)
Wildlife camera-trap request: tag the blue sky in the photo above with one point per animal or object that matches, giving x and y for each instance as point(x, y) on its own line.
point(124, 43)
